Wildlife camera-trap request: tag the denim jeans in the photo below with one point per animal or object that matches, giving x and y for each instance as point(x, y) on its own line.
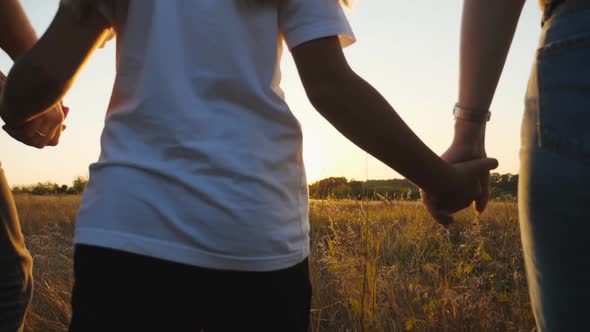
point(554, 177)
point(15, 265)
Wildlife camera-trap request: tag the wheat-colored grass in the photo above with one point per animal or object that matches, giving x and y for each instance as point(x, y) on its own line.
point(376, 266)
point(48, 224)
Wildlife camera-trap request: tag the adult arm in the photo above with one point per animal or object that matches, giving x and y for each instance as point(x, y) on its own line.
point(487, 31)
point(40, 78)
point(361, 114)
point(16, 33)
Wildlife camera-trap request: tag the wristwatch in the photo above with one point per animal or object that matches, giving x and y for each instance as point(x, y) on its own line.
point(471, 115)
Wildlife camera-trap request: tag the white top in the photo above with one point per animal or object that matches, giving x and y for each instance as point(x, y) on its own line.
point(201, 158)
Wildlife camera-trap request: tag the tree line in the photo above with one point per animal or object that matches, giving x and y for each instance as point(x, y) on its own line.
point(502, 187)
point(50, 188)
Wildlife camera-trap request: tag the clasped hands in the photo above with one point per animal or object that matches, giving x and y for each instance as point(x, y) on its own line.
point(470, 184)
point(40, 131)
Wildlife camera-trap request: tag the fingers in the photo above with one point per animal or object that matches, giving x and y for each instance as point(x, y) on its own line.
point(25, 138)
point(478, 167)
point(442, 217)
point(482, 201)
point(55, 139)
point(37, 133)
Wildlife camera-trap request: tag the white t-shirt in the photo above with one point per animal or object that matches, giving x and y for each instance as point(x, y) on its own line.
point(201, 159)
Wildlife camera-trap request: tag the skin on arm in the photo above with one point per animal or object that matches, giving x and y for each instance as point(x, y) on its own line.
point(361, 114)
point(17, 36)
point(16, 33)
point(40, 78)
point(487, 31)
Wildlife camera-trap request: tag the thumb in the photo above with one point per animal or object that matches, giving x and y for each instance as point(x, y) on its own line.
point(480, 166)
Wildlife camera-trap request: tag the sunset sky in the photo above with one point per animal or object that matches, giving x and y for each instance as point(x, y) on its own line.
point(407, 49)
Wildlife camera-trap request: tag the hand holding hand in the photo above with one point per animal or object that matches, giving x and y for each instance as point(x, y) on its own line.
point(44, 130)
point(458, 153)
point(463, 188)
point(468, 145)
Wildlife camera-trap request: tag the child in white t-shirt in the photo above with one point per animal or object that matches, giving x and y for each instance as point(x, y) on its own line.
point(195, 215)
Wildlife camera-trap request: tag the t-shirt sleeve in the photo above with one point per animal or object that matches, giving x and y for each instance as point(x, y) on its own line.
point(301, 21)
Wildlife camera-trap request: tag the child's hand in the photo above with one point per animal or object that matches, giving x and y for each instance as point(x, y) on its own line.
point(463, 188)
point(44, 130)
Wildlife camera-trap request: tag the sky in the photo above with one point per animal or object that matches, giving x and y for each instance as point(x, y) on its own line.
point(408, 50)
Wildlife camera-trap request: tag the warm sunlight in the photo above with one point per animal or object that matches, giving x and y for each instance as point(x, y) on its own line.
point(225, 165)
point(420, 86)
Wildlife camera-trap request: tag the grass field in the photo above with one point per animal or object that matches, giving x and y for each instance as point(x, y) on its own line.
point(376, 266)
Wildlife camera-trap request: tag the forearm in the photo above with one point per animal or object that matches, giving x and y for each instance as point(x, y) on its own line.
point(486, 34)
point(16, 33)
point(361, 114)
point(28, 79)
point(41, 77)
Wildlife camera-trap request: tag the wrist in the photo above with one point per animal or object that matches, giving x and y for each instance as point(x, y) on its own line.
point(469, 133)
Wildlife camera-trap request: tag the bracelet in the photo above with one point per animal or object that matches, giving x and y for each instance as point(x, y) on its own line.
point(471, 115)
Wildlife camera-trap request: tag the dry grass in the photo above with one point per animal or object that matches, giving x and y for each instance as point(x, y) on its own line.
point(379, 266)
point(386, 266)
point(48, 224)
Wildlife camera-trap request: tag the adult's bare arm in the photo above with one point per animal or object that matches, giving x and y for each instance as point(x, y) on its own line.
point(41, 77)
point(16, 33)
point(486, 35)
point(361, 114)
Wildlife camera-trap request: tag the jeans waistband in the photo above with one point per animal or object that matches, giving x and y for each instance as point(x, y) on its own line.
point(560, 7)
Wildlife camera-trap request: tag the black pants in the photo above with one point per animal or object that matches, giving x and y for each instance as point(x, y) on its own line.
point(119, 291)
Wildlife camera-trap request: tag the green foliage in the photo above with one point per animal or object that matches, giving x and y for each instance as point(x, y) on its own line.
point(503, 187)
point(341, 188)
point(50, 188)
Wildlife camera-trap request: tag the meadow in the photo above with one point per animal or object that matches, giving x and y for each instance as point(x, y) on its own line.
point(375, 266)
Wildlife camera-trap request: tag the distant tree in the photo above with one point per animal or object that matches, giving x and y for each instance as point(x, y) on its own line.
point(341, 191)
point(323, 188)
point(63, 190)
point(503, 185)
point(50, 188)
point(79, 184)
point(400, 189)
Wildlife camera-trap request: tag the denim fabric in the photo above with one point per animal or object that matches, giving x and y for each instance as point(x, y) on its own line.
point(15, 265)
point(554, 177)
